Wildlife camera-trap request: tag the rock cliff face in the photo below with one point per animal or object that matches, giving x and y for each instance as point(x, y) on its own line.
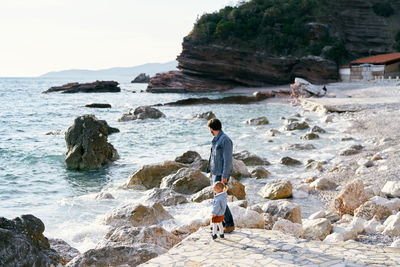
point(212, 66)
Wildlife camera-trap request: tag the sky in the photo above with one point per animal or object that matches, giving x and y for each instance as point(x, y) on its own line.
point(38, 36)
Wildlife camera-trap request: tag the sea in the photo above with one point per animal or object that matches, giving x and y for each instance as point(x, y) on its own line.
point(34, 179)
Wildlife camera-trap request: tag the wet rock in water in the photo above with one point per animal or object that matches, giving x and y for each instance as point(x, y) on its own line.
point(291, 126)
point(54, 132)
point(236, 189)
point(347, 139)
point(370, 209)
point(206, 115)
point(350, 198)
point(239, 169)
point(288, 227)
point(314, 165)
point(246, 218)
point(260, 173)
point(186, 181)
point(142, 113)
point(166, 197)
point(97, 105)
point(87, 144)
point(391, 189)
point(354, 149)
point(193, 160)
point(316, 229)
point(150, 176)
point(273, 132)
point(298, 147)
point(66, 252)
point(22, 243)
point(127, 236)
point(276, 190)
point(117, 256)
point(137, 215)
point(104, 195)
point(94, 87)
point(204, 194)
point(258, 121)
point(392, 225)
point(323, 184)
point(317, 129)
point(288, 161)
point(237, 99)
point(141, 78)
point(309, 136)
point(250, 159)
point(283, 209)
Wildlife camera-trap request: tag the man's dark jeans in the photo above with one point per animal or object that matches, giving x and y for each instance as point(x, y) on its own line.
point(228, 219)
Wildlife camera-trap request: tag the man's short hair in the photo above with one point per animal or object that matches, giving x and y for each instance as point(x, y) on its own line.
point(215, 124)
point(219, 185)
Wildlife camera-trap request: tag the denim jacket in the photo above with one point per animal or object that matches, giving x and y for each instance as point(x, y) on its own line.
point(221, 156)
point(219, 204)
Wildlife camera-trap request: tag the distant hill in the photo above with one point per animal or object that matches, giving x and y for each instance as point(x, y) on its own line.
point(118, 73)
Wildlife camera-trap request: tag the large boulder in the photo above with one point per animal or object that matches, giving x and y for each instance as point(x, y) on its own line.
point(185, 230)
point(94, 87)
point(137, 215)
point(258, 121)
point(117, 256)
point(236, 189)
point(128, 235)
point(276, 190)
point(350, 198)
point(150, 176)
point(250, 159)
point(165, 196)
point(391, 189)
point(288, 227)
point(246, 218)
point(22, 243)
point(317, 228)
point(142, 113)
point(283, 209)
point(239, 169)
point(370, 209)
point(392, 225)
point(87, 144)
point(204, 194)
point(193, 160)
point(141, 78)
point(66, 252)
point(186, 181)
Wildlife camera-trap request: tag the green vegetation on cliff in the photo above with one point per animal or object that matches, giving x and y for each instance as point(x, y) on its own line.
point(281, 27)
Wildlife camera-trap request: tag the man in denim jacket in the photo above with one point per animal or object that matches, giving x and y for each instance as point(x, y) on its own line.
point(221, 163)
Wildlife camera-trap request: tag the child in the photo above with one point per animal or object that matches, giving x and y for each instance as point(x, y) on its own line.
point(219, 206)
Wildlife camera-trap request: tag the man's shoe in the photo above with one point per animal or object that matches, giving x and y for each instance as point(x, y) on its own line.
point(214, 237)
point(229, 229)
point(222, 236)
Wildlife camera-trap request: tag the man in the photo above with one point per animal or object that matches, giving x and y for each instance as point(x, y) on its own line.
point(221, 163)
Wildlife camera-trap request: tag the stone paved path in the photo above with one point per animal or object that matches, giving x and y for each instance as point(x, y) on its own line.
point(257, 247)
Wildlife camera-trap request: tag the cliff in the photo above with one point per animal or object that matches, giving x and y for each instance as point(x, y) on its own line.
point(264, 42)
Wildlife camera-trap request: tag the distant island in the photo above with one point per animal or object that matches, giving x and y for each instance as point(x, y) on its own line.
point(128, 73)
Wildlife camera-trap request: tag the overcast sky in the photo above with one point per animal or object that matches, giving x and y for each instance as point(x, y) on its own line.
point(38, 36)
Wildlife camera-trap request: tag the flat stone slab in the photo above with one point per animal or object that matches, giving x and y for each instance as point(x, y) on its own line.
point(258, 247)
point(349, 104)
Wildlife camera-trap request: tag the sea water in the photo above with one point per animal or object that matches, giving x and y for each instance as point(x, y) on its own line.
point(34, 180)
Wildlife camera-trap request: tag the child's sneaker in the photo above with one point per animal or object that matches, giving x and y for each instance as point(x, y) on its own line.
point(222, 236)
point(214, 237)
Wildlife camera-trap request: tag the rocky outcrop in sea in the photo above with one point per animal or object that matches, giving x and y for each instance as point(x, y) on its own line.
point(94, 87)
point(141, 78)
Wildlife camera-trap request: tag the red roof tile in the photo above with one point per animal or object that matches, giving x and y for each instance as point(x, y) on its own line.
point(378, 59)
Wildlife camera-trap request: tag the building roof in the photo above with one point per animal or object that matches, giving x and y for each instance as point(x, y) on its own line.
point(378, 59)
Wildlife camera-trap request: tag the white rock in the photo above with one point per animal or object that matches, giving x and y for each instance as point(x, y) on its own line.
point(328, 118)
point(371, 226)
point(288, 227)
point(383, 168)
point(316, 229)
point(317, 215)
point(393, 204)
point(392, 225)
point(334, 238)
point(372, 190)
point(396, 243)
point(391, 189)
point(323, 184)
point(247, 218)
point(304, 187)
point(362, 170)
point(299, 194)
